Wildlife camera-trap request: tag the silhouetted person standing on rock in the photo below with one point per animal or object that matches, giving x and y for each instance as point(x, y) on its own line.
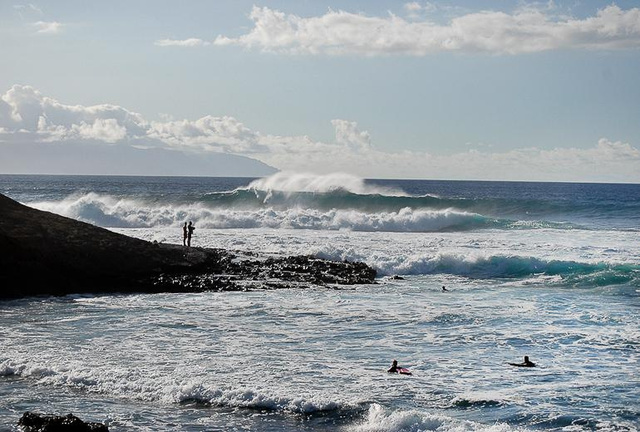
point(184, 234)
point(190, 229)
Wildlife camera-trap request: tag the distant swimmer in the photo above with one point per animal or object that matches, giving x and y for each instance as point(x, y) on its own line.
point(525, 363)
point(444, 289)
point(397, 369)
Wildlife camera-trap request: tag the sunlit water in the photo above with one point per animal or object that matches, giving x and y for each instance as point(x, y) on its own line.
point(315, 359)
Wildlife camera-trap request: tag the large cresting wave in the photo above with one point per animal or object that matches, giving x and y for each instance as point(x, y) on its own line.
point(299, 201)
point(111, 212)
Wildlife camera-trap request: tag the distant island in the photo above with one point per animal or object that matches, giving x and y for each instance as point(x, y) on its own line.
point(48, 254)
point(78, 159)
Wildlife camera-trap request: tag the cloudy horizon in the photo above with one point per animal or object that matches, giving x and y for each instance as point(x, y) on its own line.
point(534, 92)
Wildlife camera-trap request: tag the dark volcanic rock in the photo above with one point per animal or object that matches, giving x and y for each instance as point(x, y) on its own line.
point(44, 253)
point(31, 422)
point(242, 273)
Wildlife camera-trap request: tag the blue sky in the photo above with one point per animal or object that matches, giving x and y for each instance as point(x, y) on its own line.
point(493, 90)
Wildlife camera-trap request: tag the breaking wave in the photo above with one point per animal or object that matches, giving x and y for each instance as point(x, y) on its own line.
point(493, 267)
point(297, 201)
point(114, 212)
point(380, 419)
point(170, 389)
point(334, 201)
point(300, 182)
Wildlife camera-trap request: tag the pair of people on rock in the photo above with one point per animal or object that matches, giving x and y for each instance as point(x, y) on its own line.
point(187, 232)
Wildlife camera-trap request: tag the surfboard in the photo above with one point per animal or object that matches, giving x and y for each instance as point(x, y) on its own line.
point(404, 371)
point(522, 364)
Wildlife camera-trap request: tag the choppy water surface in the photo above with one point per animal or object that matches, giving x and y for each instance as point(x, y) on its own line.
point(316, 359)
point(547, 280)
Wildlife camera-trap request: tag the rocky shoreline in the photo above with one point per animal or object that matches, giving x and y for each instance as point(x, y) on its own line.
point(47, 254)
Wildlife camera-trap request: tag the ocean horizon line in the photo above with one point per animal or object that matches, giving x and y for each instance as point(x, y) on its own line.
point(573, 182)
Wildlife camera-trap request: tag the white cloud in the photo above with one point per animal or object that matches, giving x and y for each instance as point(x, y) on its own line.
point(348, 134)
point(191, 42)
point(224, 134)
point(413, 6)
point(526, 30)
point(33, 16)
point(25, 112)
point(107, 130)
point(44, 27)
point(24, 109)
point(28, 8)
point(26, 116)
point(606, 162)
point(416, 9)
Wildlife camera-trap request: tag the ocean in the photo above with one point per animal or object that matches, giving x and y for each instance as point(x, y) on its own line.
point(546, 270)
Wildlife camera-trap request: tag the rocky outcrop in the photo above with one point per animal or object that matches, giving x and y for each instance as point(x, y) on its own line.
point(44, 253)
point(242, 272)
point(32, 422)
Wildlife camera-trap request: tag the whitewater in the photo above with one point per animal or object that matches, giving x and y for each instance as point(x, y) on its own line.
point(547, 270)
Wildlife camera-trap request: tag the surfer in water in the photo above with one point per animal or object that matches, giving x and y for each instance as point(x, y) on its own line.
point(444, 289)
point(525, 363)
point(397, 369)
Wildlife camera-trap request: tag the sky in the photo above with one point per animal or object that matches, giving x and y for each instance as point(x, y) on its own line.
point(460, 90)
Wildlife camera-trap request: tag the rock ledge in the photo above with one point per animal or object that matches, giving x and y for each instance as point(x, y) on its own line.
point(47, 254)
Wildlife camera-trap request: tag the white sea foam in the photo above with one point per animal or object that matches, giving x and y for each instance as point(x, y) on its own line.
point(108, 211)
point(380, 419)
point(476, 264)
point(150, 385)
point(147, 385)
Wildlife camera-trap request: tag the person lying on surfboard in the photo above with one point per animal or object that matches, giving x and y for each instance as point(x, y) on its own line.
point(397, 369)
point(525, 363)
